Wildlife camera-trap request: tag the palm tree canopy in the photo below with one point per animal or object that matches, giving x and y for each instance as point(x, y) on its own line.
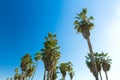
point(50, 52)
point(97, 57)
point(66, 67)
point(69, 66)
point(16, 70)
point(101, 59)
point(26, 62)
point(16, 76)
point(38, 56)
point(81, 19)
point(83, 23)
point(63, 68)
point(106, 62)
point(30, 71)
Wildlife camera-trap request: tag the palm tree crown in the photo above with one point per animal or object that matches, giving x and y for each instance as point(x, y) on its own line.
point(83, 24)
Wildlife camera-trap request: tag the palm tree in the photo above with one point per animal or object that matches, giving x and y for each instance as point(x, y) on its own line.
point(17, 75)
point(83, 25)
point(63, 69)
point(51, 55)
point(38, 56)
point(26, 66)
point(106, 63)
point(102, 61)
point(70, 70)
point(71, 74)
point(98, 63)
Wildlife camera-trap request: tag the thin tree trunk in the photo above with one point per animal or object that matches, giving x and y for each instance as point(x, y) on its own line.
point(48, 75)
point(21, 76)
point(34, 70)
point(106, 75)
point(44, 78)
point(24, 78)
point(63, 78)
point(52, 71)
point(28, 78)
point(100, 75)
point(51, 74)
point(95, 72)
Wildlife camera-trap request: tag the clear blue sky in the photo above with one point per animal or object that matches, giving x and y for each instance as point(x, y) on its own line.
point(25, 23)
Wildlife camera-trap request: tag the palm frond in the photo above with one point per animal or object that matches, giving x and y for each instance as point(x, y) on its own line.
point(91, 25)
point(76, 22)
point(76, 27)
point(84, 11)
point(77, 17)
point(91, 18)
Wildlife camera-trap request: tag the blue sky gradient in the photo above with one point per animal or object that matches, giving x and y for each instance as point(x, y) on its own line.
point(23, 26)
point(25, 23)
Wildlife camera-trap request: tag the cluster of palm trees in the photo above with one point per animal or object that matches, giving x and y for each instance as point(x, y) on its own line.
point(103, 62)
point(28, 67)
point(66, 67)
point(50, 55)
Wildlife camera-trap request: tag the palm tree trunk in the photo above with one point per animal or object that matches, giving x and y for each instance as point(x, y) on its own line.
point(51, 74)
point(28, 78)
point(21, 76)
point(100, 75)
point(63, 78)
point(34, 70)
point(106, 75)
point(44, 78)
point(95, 72)
point(24, 78)
point(48, 75)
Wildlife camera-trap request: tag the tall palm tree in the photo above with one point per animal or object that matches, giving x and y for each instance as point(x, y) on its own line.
point(83, 25)
point(106, 63)
point(51, 55)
